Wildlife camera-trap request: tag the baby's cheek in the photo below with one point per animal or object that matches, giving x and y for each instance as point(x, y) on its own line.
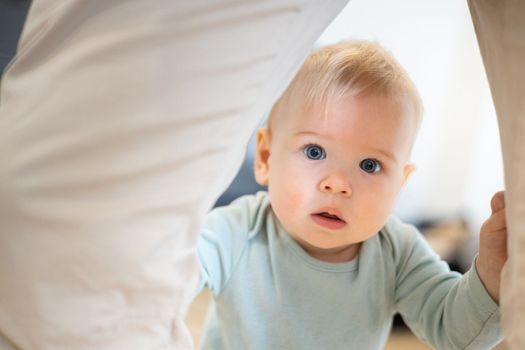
point(288, 201)
point(376, 213)
point(295, 202)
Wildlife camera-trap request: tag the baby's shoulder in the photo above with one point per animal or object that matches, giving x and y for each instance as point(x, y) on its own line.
point(399, 238)
point(243, 217)
point(397, 230)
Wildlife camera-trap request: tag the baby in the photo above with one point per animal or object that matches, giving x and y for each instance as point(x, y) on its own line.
point(318, 262)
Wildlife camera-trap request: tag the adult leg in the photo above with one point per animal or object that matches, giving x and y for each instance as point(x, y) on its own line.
point(501, 35)
point(120, 124)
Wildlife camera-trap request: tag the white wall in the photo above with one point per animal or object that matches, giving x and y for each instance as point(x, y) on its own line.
point(457, 153)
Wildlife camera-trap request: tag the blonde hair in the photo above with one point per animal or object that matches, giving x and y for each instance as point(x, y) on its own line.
point(350, 68)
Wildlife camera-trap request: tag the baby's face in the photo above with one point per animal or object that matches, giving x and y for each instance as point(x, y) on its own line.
point(334, 171)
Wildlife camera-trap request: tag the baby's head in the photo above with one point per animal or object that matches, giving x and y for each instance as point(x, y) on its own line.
point(336, 150)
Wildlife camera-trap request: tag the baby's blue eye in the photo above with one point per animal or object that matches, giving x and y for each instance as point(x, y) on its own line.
point(314, 152)
point(370, 165)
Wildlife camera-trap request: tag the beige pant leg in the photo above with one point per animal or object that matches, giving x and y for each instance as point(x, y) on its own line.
point(500, 27)
point(120, 124)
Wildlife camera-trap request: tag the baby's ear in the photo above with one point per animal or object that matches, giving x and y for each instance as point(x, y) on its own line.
point(409, 169)
point(262, 155)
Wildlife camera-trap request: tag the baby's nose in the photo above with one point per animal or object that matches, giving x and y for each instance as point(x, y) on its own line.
point(335, 184)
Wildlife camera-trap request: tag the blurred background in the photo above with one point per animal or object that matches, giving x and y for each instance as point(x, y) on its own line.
point(457, 153)
point(12, 17)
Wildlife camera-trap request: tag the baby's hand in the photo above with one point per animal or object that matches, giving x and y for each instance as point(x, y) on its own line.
point(493, 246)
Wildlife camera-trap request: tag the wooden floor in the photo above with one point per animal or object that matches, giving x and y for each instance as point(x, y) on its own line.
point(399, 339)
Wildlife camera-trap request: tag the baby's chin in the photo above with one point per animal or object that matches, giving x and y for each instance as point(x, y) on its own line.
point(328, 249)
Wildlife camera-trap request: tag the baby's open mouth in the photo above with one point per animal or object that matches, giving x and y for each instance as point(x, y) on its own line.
point(328, 220)
point(327, 215)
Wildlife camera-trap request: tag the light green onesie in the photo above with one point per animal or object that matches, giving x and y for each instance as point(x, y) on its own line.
point(269, 294)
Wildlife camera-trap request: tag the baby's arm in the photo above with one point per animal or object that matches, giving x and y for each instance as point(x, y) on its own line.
point(224, 237)
point(493, 247)
point(446, 309)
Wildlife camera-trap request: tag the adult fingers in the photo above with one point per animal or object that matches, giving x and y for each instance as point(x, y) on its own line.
point(497, 202)
point(496, 222)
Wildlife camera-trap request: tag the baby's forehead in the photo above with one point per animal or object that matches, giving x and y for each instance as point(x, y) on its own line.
point(297, 109)
point(374, 115)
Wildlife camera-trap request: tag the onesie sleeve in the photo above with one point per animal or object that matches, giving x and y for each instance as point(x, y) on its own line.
point(224, 239)
point(441, 307)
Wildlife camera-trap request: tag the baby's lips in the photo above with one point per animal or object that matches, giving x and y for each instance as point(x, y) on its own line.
point(327, 214)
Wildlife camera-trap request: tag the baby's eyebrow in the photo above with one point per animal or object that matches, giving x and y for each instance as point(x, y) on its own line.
point(385, 153)
point(300, 133)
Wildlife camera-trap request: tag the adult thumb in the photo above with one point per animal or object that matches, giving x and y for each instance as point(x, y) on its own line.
point(497, 202)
